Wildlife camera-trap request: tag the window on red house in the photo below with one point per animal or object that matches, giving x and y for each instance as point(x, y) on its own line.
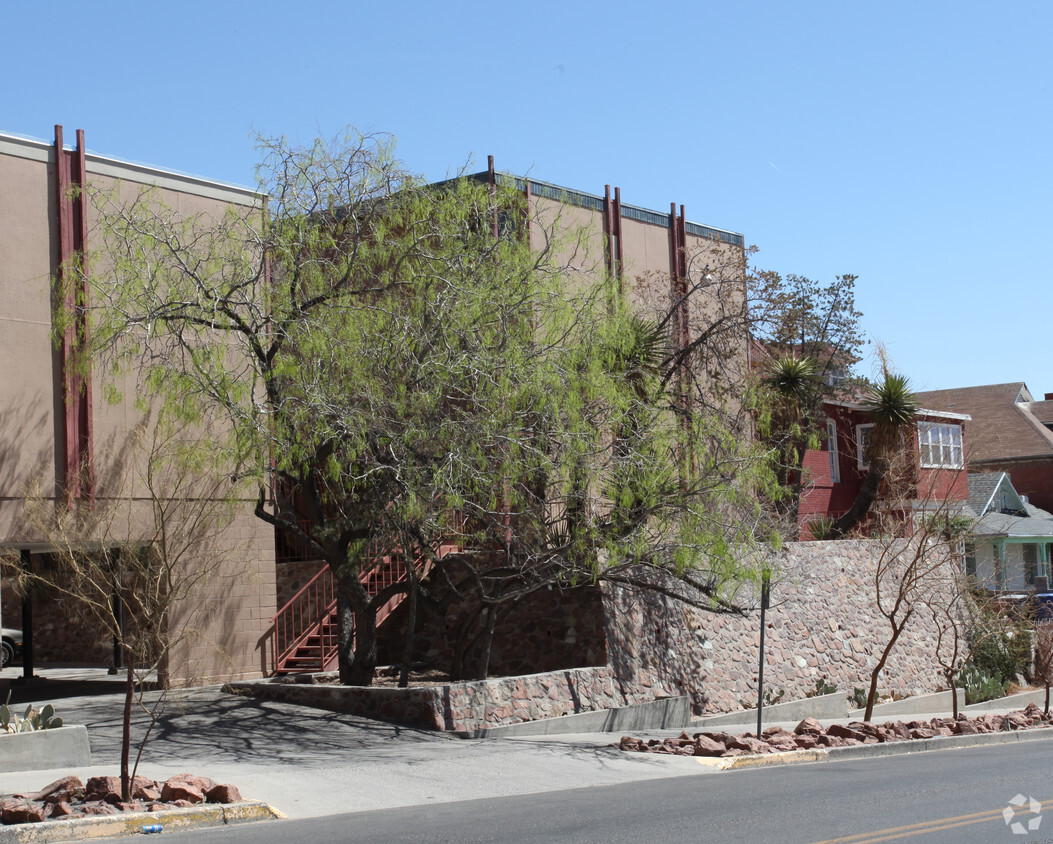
point(940, 445)
point(831, 447)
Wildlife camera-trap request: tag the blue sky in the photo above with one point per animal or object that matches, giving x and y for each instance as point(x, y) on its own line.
point(907, 143)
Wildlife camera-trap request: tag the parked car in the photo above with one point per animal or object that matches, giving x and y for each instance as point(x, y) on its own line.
point(11, 645)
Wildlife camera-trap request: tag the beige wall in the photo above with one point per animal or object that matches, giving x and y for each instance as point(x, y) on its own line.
point(239, 601)
point(646, 271)
point(28, 408)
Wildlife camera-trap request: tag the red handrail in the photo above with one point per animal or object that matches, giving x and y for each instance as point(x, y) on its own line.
point(304, 632)
point(307, 616)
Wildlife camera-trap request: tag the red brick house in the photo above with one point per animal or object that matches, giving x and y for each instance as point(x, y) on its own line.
point(1010, 432)
point(834, 473)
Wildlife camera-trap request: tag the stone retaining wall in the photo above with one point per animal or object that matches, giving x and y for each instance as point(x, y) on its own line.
point(63, 631)
point(458, 706)
point(822, 625)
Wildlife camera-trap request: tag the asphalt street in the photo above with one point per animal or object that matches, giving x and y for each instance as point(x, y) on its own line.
point(949, 797)
point(345, 778)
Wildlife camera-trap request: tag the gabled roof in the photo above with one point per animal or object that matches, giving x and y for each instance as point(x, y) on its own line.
point(1003, 425)
point(984, 497)
point(987, 492)
point(1042, 411)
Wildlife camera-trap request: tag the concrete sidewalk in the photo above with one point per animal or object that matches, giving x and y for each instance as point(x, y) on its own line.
point(309, 763)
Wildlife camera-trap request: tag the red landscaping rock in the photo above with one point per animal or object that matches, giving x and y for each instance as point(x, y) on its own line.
point(99, 807)
point(68, 797)
point(22, 811)
point(809, 725)
point(749, 744)
point(899, 729)
point(845, 732)
point(106, 789)
point(65, 789)
point(705, 746)
point(186, 787)
point(630, 743)
point(145, 789)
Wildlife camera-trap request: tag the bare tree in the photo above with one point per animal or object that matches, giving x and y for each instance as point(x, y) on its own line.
point(1043, 665)
point(141, 559)
point(918, 570)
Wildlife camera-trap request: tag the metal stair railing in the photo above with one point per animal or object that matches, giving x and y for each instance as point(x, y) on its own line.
point(304, 632)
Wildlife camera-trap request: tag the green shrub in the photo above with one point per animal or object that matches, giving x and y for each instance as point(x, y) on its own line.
point(30, 721)
point(820, 527)
point(979, 685)
point(859, 697)
point(1002, 654)
point(822, 687)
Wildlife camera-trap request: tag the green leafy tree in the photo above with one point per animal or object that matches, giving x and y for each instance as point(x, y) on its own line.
point(807, 337)
point(399, 371)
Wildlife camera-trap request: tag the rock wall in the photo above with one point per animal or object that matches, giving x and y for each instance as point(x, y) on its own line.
point(63, 631)
point(547, 630)
point(291, 577)
point(458, 706)
point(822, 626)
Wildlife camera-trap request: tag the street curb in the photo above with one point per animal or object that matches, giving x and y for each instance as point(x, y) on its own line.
point(132, 823)
point(863, 751)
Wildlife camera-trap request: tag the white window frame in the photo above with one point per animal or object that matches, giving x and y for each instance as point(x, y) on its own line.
point(831, 447)
point(940, 445)
point(861, 432)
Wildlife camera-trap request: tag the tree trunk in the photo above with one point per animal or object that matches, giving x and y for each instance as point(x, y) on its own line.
point(460, 648)
point(872, 696)
point(485, 641)
point(411, 633)
point(364, 667)
point(345, 637)
point(126, 726)
point(865, 499)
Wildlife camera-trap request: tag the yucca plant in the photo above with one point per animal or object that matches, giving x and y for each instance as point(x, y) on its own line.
point(892, 407)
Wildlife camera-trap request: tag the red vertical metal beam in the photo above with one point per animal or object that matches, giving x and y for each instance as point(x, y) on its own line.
point(678, 266)
point(677, 273)
point(70, 171)
point(70, 391)
point(608, 227)
point(527, 197)
point(81, 245)
point(491, 179)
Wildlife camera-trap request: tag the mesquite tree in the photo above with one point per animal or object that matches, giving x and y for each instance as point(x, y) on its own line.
point(413, 369)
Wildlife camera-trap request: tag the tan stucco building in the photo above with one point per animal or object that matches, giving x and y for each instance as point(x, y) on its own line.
point(60, 436)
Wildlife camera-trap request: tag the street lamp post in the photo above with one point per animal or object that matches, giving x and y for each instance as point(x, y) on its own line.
point(765, 596)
